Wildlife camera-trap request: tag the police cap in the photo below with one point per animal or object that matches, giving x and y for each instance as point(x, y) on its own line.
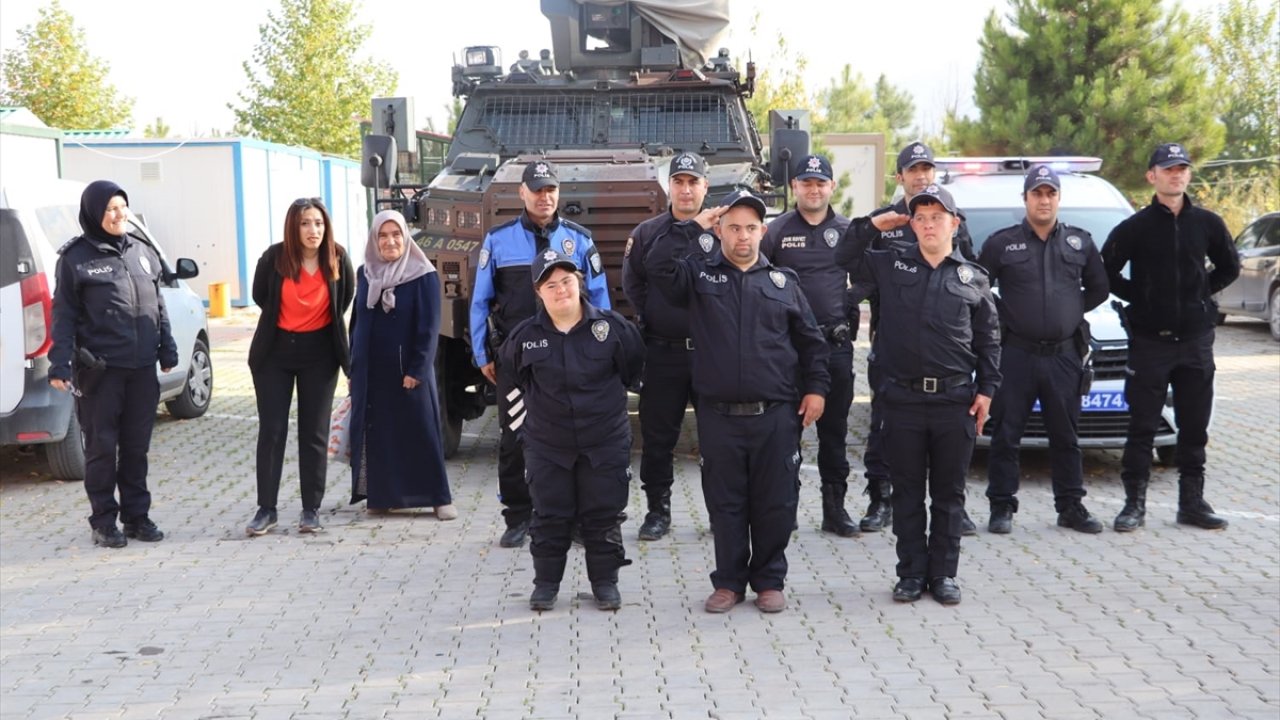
point(1041, 175)
point(914, 154)
point(1169, 155)
point(539, 174)
point(549, 260)
point(936, 194)
point(688, 163)
point(813, 166)
point(744, 197)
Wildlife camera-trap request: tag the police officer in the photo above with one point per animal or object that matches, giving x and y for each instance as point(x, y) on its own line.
point(668, 385)
point(760, 366)
point(1050, 275)
point(1170, 320)
point(939, 330)
point(804, 240)
point(878, 231)
point(503, 296)
point(573, 363)
point(110, 325)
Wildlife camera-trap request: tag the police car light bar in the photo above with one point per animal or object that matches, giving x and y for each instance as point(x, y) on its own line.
point(1018, 164)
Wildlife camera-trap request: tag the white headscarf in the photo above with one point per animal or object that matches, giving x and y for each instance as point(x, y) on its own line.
point(384, 276)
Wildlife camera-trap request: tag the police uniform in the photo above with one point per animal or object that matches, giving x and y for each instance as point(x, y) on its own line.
point(1046, 287)
point(861, 236)
point(503, 296)
point(940, 349)
point(809, 250)
point(109, 307)
point(668, 384)
point(1170, 320)
point(757, 350)
point(576, 433)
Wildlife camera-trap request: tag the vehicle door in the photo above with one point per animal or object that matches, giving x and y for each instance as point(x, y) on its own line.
point(1257, 261)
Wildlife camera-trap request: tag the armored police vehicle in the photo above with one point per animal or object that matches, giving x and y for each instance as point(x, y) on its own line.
point(622, 93)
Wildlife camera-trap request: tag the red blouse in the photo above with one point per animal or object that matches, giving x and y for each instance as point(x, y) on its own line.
point(304, 303)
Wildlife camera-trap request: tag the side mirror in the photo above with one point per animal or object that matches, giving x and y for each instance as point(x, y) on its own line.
point(377, 161)
point(187, 269)
point(786, 147)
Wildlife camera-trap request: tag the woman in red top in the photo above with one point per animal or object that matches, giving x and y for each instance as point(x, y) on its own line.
point(303, 286)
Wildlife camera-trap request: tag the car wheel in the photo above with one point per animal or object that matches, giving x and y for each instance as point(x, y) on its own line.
point(66, 457)
point(1165, 454)
point(1273, 313)
point(197, 392)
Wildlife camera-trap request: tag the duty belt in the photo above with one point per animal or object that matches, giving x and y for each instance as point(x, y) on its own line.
point(744, 409)
point(671, 343)
point(932, 384)
point(1041, 347)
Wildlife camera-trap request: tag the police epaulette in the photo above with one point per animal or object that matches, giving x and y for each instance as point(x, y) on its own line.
point(575, 226)
point(496, 228)
point(977, 267)
point(69, 243)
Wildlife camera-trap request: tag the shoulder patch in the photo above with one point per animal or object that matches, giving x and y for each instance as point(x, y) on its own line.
point(600, 329)
point(831, 236)
point(965, 273)
point(504, 225)
point(576, 227)
point(484, 258)
point(626, 252)
point(597, 265)
point(67, 245)
point(706, 241)
point(779, 278)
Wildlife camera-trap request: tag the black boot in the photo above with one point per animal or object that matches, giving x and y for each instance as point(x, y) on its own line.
point(657, 522)
point(1192, 509)
point(1001, 520)
point(879, 512)
point(834, 517)
point(1134, 513)
point(604, 555)
point(547, 573)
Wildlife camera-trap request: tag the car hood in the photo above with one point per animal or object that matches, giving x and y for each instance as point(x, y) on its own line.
point(1104, 323)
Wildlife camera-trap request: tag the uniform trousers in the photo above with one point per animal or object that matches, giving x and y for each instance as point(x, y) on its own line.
point(750, 479)
point(1055, 381)
point(928, 439)
point(513, 489)
point(1154, 366)
point(664, 398)
point(833, 426)
point(568, 488)
point(873, 458)
point(306, 360)
point(117, 413)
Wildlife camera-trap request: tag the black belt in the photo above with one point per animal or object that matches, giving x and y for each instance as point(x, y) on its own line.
point(932, 384)
point(744, 409)
point(1041, 347)
point(671, 343)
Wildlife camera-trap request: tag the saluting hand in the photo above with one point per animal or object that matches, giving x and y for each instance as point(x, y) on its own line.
point(709, 217)
point(980, 408)
point(811, 407)
point(890, 220)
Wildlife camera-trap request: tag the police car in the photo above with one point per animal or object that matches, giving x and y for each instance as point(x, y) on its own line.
point(988, 190)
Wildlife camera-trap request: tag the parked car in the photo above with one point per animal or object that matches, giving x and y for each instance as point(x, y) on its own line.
point(988, 191)
point(1256, 293)
point(36, 218)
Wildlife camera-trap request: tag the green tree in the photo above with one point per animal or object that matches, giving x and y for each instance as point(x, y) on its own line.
point(780, 83)
point(307, 84)
point(1110, 78)
point(1243, 45)
point(52, 74)
point(160, 129)
point(849, 105)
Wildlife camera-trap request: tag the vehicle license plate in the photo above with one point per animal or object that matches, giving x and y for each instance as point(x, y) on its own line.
point(1099, 401)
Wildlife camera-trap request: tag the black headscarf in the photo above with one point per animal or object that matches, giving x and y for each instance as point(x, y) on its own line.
point(93, 206)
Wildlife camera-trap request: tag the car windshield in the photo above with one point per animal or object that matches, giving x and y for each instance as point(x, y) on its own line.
point(982, 222)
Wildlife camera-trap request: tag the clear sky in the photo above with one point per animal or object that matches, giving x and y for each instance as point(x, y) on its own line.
point(181, 60)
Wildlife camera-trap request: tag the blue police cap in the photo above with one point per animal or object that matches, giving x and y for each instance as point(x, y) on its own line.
point(1169, 155)
point(813, 166)
point(1041, 175)
point(744, 197)
point(936, 194)
point(549, 260)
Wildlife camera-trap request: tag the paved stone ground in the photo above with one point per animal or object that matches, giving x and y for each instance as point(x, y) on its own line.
point(406, 617)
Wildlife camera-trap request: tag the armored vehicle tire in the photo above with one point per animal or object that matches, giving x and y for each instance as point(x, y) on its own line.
point(66, 457)
point(450, 427)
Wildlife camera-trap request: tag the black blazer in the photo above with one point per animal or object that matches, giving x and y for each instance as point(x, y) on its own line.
point(267, 284)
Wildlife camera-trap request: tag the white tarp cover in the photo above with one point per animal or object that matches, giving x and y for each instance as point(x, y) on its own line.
point(697, 25)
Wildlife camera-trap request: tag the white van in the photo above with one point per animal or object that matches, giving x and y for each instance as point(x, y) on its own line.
point(37, 218)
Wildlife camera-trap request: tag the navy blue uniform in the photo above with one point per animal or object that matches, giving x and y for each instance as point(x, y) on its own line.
point(503, 296)
point(668, 382)
point(1170, 320)
point(940, 349)
point(861, 236)
point(576, 434)
point(809, 250)
point(757, 349)
point(108, 302)
point(1046, 287)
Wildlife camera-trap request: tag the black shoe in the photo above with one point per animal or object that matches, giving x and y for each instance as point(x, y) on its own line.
point(515, 535)
point(655, 526)
point(908, 589)
point(110, 537)
point(1078, 518)
point(879, 516)
point(143, 530)
point(945, 590)
point(1131, 517)
point(967, 527)
point(607, 595)
point(1200, 514)
point(1001, 522)
point(309, 522)
point(543, 597)
point(262, 521)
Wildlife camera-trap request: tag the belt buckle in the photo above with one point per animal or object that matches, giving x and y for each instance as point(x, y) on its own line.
point(929, 385)
point(688, 344)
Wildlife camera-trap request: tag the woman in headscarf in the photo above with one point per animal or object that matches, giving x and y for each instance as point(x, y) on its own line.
point(397, 450)
point(110, 324)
